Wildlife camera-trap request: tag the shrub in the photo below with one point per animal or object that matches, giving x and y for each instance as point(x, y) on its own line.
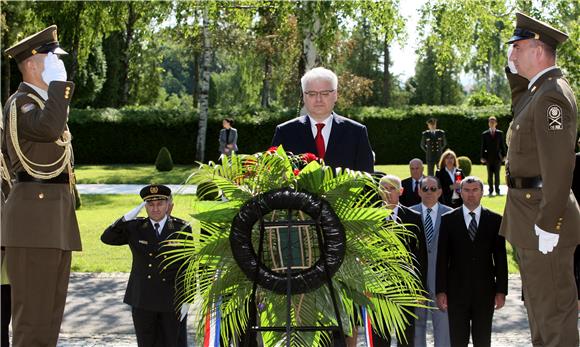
point(464, 165)
point(483, 98)
point(164, 161)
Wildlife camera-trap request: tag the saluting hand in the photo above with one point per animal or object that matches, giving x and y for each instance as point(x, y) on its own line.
point(54, 69)
point(134, 212)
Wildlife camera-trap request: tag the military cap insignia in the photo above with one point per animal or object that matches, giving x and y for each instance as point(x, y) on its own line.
point(153, 190)
point(555, 121)
point(27, 108)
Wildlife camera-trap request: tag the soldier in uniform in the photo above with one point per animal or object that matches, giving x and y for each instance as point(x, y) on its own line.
point(433, 142)
point(542, 217)
point(39, 225)
point(151, 288)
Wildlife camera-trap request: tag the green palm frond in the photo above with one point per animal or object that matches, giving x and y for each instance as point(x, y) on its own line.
point(377, 271)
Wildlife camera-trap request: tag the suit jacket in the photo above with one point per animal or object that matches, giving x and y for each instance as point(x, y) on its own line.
point(417, 245)
point(433, 144)
point(39, 215)
point(470, 270)
point(224, 140)
point(348, 145)
point(151, 283)
point(542, 142)
point(409, 197)
point(447, 193)
point(493, 148)
point(432, 248)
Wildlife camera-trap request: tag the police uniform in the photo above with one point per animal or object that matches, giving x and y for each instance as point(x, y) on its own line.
point(433, 143)
point(39, 225)
point(539, 166)
point(152, 283)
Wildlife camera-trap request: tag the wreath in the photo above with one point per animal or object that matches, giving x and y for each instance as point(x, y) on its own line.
point(365, 253)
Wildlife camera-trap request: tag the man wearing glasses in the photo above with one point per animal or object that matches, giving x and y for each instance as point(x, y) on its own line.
point(431, 211)
point(341, 142)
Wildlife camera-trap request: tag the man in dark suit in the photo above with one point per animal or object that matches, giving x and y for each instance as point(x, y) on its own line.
point(39, 224)
point(471, 267)
point(390, 190)
point(431, 211)
point(493, 152)
point(341, 142)
point(151, 288)
point(433, 143)
point(411, 185)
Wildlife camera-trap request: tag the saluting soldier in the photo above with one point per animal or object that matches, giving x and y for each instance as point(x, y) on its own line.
point(542, 217)
point(433, 143)
point(39, 225)
point(151, 288)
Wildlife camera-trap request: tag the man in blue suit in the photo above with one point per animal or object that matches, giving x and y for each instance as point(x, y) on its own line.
point(341, 142)
point(431, 211)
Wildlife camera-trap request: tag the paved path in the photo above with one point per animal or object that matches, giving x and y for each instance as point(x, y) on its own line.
point(96, 316)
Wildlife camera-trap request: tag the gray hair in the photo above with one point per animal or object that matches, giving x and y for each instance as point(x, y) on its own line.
point(319, 73)
point(391, 180)
point(416, 160)
point(471, 179)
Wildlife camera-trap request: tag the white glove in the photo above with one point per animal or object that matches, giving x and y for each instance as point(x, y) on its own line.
point(511, 64)
point(133, 213)
point(53, 69)
point(547, 241)
point(183, 311)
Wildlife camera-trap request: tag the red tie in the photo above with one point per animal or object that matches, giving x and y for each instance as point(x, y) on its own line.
point(319, 139)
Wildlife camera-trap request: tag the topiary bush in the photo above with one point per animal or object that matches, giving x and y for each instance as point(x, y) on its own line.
point(164, 161)
point(464, 165)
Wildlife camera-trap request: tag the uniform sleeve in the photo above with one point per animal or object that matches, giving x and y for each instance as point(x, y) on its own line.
point(423, 143)
point(444, 140)
point(46, 125)
point(555, 130)
point(116, 234)
point(518, 85)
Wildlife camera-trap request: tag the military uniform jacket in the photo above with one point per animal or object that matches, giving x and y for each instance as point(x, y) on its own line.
point(152, 281)
point(39, 215)
point(433, 143)
point(541, 143)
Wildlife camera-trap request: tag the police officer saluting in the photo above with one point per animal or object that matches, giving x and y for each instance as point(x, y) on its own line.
point(39, 225)
point(151, 288)
point(542, 217)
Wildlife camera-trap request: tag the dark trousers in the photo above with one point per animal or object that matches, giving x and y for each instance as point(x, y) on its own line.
point(407, 341)
point(493, 176)
point(159, 329)
point(39, 280)
point(431, 168)
point(473, 318)
point(5, 341)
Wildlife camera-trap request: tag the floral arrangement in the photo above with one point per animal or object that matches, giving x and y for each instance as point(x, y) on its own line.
point(377, 272)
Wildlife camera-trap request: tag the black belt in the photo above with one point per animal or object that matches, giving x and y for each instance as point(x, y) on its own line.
point(524, 182)
point(25, 177)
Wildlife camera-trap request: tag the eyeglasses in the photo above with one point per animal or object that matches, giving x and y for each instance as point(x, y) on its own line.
point(426, 189)
point(323, 93)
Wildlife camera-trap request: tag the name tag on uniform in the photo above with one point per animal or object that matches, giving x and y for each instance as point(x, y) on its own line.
point(144, 242)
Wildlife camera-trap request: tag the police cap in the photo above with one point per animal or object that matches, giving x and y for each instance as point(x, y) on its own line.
point(530, 28)
point(155, 192)
point(42, 42)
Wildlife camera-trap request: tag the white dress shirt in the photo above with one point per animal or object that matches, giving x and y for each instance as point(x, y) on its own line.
point(433, 213)
point(467, 216)
point(161, 223)
point(325, 130)
point(43, 93)
point(538, 75)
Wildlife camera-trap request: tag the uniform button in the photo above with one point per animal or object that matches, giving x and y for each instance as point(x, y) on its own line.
point(517, 127)
point(163, 279)
point(150, 254)
point(150, 265)
point(148, 276)
point(560, 218)
point(557, 227)
point(528, 195)
point(41, 196)
point(67, 88)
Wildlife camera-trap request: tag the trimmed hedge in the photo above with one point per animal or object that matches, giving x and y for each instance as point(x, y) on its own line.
point(134, 135)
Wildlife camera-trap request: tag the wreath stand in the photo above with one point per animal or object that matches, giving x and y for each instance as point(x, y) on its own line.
point(283, 279)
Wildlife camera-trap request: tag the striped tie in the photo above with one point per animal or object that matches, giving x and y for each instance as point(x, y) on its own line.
point(429, 227)
point(472, 226)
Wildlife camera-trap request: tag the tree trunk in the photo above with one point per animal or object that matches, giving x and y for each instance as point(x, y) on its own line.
point(386, 75)
point(310, 51)
point(72, 74)
point(129, 35)
point(203, 104)
point(266, 83)
point(488, 72)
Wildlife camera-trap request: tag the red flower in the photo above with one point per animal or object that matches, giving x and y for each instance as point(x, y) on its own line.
point(308, 157)
point(272, 149)
point(296, 172)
